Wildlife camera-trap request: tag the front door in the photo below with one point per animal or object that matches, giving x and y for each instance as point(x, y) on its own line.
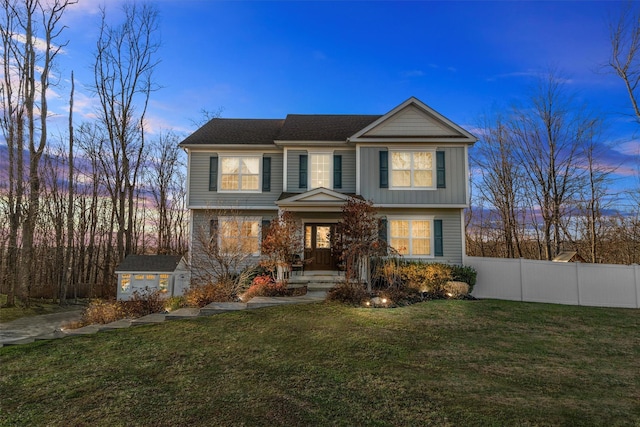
point(318, 253)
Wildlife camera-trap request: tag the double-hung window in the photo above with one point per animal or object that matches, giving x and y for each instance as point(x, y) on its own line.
point(239, 235)
point(412, 169)
point(240, 173)
point(320, 175)
point(411, 236)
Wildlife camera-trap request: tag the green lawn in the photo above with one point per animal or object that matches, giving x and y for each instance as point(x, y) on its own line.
point(454, 363)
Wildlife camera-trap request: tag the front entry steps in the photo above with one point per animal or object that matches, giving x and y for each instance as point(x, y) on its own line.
point(317, 281)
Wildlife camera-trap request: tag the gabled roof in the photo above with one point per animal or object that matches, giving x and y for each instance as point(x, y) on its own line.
point(413, 121)
point(323, 127)
point(236, 131)
point(316, 200)
point(149, 263)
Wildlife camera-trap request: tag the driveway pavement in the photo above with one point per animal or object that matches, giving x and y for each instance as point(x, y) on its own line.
point(27, 328)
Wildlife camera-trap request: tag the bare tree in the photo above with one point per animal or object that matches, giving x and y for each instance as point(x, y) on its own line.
point(502, 181)
point(165, 180)
point(123, 72)
point(30, 34)
point(550, 131)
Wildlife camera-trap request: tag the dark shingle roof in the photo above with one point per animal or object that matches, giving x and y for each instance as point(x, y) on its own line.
point(134, 263)
point(236, 131)
point(323, 127)
point(296, 127)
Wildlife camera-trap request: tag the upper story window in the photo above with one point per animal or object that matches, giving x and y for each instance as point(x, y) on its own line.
point(412, 169)
point(320, 175)
point(240, 173)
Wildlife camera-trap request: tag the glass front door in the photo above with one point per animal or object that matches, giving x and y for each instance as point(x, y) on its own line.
point(318, 246)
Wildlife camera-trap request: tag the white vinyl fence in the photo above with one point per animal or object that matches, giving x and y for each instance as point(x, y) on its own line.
point(602, 285)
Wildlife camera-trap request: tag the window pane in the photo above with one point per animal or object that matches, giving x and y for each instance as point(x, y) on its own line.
point(230, 165)
point(400, 160)
point(320, 170)
point(401, 178)
point(423, 178)
point(250, 182)
point(250, 165)
point(420, 229)
point(399, 228)
point(229, 182)
point(420, 247)
point(400, 245)
point(307, 237)
point(422, 160)
point(323, 237)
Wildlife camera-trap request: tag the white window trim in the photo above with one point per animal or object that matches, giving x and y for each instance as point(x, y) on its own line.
point(429, 218)
point(310, 154)
point(244, 155)
point(413, 150)
point(257, 219)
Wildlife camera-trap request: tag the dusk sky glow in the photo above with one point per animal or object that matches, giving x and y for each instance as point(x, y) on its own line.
point(268, 59)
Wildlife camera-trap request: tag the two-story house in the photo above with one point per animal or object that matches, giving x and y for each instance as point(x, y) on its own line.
point(411, 162)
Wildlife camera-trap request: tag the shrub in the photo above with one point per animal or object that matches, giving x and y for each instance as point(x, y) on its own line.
point(348, 293)
point(144, 303)
point(402, 295)
point(462, 273)
point(174, 303)
point(265, 286)
point(455, 289)
point(200, 295)
point(424, 277)
point(102, 312)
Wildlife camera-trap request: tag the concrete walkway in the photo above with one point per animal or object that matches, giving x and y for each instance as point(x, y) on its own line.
point(50, 326)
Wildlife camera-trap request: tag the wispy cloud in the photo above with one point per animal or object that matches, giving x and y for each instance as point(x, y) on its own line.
point(319, 55)
point(413, 73)
point(528, 74)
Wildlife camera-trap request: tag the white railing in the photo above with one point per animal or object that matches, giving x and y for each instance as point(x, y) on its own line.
point(601, 285)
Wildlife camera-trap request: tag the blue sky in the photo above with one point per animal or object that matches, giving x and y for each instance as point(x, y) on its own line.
point(267, 59)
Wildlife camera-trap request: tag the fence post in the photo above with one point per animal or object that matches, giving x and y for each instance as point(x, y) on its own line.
point(578, 281)
point(521, 281)
point(636, 275)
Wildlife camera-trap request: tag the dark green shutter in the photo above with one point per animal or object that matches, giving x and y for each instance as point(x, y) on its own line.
point(384, 169)
point(337, 171)
point(266, 174)
point(213, 232)
point(438, 240)
point(213, 173)
point(303, 171)
point(382, 230)
point(440, 171)
point(265, 228)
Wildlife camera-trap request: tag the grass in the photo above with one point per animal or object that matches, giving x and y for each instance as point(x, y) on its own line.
point(449, 363)
point(38, 306)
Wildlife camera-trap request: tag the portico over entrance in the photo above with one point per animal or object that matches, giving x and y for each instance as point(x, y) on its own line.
point(319, 211)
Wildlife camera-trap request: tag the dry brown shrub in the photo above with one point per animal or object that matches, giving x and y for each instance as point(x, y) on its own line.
point(200, 295)
point(103, 312)
point(456, 289)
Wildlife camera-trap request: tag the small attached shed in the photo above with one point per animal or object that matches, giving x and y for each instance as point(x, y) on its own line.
point(568, 256)
point(166, 273)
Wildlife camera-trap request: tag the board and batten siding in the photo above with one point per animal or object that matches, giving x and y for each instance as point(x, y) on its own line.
point(200, 196)
point(348, 170)
point(455, 178)
point(410, 122)
point(451, 230)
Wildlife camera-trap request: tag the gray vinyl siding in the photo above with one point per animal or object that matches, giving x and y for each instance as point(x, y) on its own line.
point(199, 194)
point(451, 230)
point(454, 193)
point(348, 171)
